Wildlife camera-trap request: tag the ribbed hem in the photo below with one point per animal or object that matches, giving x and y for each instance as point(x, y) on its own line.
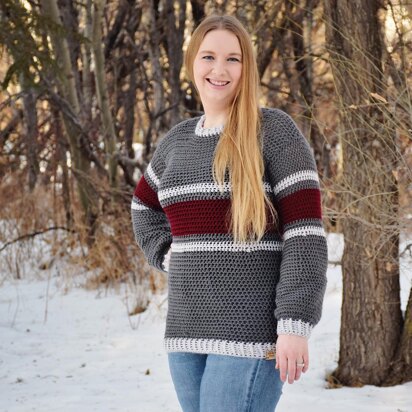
point(294, 327)
point(219, 347)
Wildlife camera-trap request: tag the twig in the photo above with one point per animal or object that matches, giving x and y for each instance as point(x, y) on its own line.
point(407, 248)
point(46, 308)
point(33, 234)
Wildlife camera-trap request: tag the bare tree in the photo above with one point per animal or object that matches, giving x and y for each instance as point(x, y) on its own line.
point(68, 90)
point(102, 94)
point(371, 316)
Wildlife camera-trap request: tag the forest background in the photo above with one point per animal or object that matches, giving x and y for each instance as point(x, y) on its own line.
point(90, 87)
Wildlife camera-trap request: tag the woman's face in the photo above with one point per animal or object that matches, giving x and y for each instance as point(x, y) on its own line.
point(217, 68)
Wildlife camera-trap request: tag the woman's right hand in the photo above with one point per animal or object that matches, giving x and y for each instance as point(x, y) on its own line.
point(290, 351)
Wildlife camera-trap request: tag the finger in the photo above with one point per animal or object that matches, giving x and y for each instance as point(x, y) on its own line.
point(291, 369)
point(283, 364)
point(298, 372)
point(306, 362)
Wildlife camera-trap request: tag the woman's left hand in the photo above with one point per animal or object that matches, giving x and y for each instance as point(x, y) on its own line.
point(290, 350)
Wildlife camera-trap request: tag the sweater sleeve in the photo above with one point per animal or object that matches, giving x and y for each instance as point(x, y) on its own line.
point(302, 283)
point(150, 224)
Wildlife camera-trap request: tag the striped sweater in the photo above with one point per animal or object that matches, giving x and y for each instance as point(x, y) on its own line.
point(227, 298)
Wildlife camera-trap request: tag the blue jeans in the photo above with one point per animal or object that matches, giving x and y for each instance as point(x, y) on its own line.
point(223, 383)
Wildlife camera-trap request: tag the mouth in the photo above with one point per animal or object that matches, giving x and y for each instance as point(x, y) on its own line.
point(217, 82)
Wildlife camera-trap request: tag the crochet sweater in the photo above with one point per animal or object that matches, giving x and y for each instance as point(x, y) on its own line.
point(225, 297)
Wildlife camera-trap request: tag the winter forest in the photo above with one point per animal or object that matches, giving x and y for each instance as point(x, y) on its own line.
point(88, 90)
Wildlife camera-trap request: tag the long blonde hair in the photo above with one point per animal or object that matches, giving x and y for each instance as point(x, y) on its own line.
point(240, 146)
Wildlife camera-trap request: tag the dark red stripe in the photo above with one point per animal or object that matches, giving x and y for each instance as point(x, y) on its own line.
point(202, 216)
point(303, 204)
point(147, 195)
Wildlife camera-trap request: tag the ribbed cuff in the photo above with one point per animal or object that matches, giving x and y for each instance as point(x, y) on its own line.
point(294, 327)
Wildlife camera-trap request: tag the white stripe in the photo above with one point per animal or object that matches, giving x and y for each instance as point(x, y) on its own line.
point(137, 206)
point(304, 231)
point(217, 346)
point(152, 175)
point(209, 187)
point(267, 187)
point(294, 327)
point(296, 177)
point(227, 246)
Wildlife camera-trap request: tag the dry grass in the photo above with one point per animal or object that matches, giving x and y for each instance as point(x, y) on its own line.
point(112, 260)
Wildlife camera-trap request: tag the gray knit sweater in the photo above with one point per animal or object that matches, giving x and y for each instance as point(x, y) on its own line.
point(227, 298)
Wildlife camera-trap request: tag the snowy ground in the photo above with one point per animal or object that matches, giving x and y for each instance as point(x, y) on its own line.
point(78, 350)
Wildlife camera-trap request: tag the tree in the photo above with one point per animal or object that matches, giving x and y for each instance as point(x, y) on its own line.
point(102, 94)
point(372, 322)
point(68, 90)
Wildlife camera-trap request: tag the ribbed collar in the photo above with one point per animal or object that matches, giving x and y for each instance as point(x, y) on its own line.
point(207, 131)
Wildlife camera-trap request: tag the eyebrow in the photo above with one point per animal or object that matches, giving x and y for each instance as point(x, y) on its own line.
point(229, 54)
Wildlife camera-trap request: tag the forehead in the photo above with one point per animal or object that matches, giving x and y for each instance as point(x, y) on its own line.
point(220, 41)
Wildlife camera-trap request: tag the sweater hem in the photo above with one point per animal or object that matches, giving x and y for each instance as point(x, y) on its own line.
point(220, 347)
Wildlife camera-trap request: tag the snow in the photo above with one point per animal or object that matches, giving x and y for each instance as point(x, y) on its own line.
point(70, 349)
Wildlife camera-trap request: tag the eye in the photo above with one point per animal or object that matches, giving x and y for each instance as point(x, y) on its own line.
point(235, 59)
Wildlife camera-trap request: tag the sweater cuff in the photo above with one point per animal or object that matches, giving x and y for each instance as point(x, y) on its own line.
point(294, 327)
point(163, 264)
point(165, 260)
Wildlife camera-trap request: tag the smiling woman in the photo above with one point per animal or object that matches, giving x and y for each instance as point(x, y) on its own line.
point(217, 70)
point(230, 208)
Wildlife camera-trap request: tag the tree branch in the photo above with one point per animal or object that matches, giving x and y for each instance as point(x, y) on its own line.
point(33, 234)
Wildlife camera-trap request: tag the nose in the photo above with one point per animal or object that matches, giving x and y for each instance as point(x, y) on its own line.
point(219, 68)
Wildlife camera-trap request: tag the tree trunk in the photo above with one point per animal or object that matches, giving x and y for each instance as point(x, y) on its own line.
point(67, 88)
point(299, 21)
point(102, 94)
point(31, 130)
point(175, 27)
point(371, 315)
point(61, 155)
point(401, 366)
point(156, 68)
point(87, 86)
point(129, 105)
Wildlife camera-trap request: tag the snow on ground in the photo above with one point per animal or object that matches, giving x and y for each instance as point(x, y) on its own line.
point(76, 350)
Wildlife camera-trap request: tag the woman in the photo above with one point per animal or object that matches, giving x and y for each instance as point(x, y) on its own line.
point(230, 208)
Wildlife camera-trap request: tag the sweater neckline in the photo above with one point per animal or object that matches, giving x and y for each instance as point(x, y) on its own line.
point(207, 131)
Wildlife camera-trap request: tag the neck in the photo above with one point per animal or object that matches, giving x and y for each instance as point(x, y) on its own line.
point(215, 117)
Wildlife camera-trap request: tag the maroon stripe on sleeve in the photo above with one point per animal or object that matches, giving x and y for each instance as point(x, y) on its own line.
point(147, 195)
point(303, 204)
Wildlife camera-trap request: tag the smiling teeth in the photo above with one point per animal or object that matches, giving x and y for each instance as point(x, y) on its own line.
point(216, 83)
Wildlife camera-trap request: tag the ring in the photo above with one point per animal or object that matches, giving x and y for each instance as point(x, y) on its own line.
point(300, 364)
